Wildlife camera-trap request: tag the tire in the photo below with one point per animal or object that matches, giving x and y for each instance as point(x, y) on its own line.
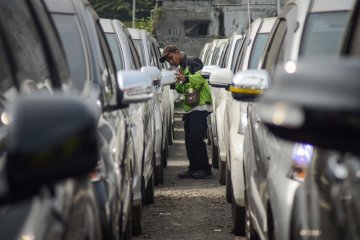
point(214, 155)
point(228, 186)
point(238, 218)
point(128, 231)
point(249, 230)
point(136, 220)
point(159, 175)
point(170, 134)
point(149, 195)
point(222, 172)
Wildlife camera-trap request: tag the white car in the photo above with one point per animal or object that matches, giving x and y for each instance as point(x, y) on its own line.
point(149, 50)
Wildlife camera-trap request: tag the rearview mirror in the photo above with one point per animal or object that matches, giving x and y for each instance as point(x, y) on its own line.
point(50, 138)
point(317, 102)
point(168, 77)
point(154, 74)
point(221, 78)
point(248, 85)
point(136, 86)
point(207, 70)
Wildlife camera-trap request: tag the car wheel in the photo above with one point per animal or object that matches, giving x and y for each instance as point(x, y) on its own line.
point(222, 172)
point(214, 155)
point(249, 230)
point(159, 171)
point(228, 186)
point(136, 220)
point(171, 134)
point(149, 191)
point(238, 218)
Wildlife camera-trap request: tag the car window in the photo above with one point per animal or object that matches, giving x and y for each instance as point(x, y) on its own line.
point(354, 47)
point(257, 50)
point(323, 33)
point(108, 81)
point(134, 53)
point(272, 56)
point(236, 55)
point(24, 38)
point(140, 49)
point(116, 51)
point(74, 46)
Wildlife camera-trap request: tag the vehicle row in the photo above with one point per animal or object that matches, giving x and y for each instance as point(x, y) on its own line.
point(81, 123)
point(286, 188)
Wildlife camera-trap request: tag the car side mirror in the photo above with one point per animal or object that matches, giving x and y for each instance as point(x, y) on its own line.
point(248, 85)
point(221, 78)
point(50, 138)
point(168, 77)
point(136, 86)
point(207, 70)
point(316, 102)
point(154, 73)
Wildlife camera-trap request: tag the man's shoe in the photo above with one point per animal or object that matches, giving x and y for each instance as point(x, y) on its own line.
point(186, 174)
point(202, 174)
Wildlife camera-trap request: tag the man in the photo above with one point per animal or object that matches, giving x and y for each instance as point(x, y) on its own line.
point(188, 80)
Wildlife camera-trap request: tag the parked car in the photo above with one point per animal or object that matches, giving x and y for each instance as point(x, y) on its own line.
point(268, 160)
point(323, 93)
point(141, 119)
point(150, 51)
point(92, 68)
point(233, 121)
point(43, 170)
point(219, 93)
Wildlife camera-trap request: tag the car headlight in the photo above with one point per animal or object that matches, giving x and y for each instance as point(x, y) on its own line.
point(301, 159)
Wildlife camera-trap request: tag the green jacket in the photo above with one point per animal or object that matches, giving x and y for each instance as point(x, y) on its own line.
point(191, 68)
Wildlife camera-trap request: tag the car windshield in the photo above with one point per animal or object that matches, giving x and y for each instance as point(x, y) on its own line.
point(116, 51)
point(140, 49)
point(257, 50)
point(323, 33)
point(74, 46)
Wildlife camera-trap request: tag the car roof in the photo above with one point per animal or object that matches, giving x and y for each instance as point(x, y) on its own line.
point(107, 25)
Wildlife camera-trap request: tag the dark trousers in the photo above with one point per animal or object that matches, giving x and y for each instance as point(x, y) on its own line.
point(195, 125)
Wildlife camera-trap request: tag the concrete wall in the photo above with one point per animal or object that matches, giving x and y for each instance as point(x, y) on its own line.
point(224, 17)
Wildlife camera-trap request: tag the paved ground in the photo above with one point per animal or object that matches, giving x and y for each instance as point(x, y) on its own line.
point(187, 208)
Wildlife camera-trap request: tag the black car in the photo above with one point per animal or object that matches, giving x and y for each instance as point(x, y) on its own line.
point(49, 140)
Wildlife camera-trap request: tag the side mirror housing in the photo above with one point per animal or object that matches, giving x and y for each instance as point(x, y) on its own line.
point(50, 138)
point(207, 70)
point(248, 85)
point(221, 78)
point(136, 86)
point(168, 77)
point(317, 102)
point(154, 74)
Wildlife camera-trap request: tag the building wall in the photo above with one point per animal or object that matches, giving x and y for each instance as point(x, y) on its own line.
point(222, 16)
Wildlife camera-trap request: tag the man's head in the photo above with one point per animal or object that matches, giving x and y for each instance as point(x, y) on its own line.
point(171, 54)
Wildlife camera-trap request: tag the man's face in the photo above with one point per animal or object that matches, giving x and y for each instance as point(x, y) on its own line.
point(174, 58)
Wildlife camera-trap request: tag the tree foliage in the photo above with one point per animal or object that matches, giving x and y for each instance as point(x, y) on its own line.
point(122, 9)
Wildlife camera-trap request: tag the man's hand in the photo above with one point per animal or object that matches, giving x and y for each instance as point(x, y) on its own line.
point(180, 78)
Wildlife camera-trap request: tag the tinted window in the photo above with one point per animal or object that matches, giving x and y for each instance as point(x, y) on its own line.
point(108, 81)
point(257, 50)
point(115, 50)
point(140, 49)
point(354, 49)
point(323, 33)
point(275, 47)
point(236, 55)
point(32, 68)
point(74, 45)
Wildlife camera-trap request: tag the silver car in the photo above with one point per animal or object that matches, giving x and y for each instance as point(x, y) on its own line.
point(303, 29)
